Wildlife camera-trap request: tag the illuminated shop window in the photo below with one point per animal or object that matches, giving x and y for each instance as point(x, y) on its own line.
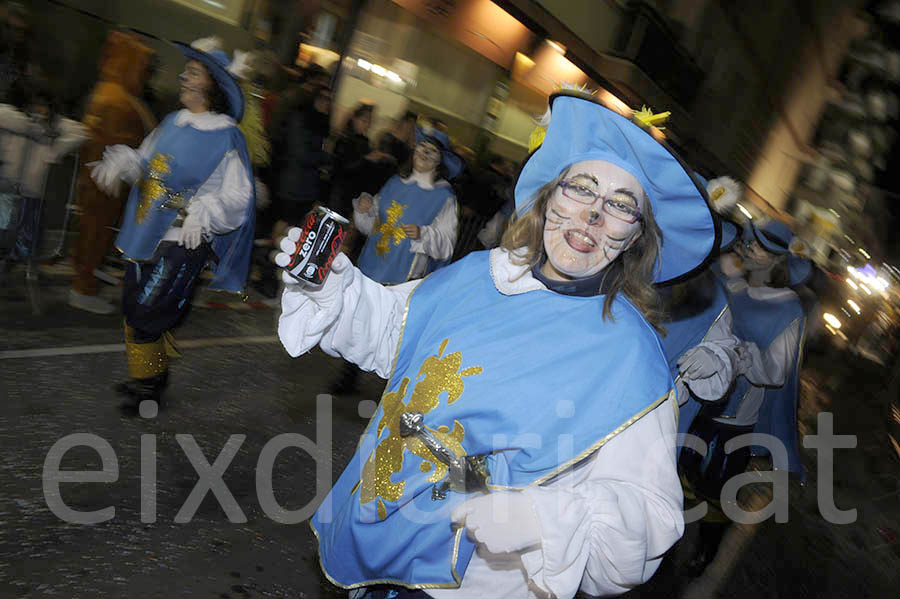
point(226, 10)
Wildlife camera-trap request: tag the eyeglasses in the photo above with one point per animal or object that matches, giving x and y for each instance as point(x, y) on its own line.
point(614, 208)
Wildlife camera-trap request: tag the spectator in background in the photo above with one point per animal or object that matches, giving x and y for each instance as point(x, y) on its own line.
point(32, 137)
point(349, 151)
point(299, 154)
point(15, 54)
point(298, 157)
point(374, 170)
point(483, 196)
point(114, 115)
point(401, 138)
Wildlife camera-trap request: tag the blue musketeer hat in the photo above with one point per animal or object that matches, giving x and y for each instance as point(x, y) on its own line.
point(777, 238)
point(582, 129)
point(451, 161)
point(217, 62)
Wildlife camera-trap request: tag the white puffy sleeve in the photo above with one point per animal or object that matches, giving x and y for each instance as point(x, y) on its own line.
point(357, 319)
point(220, 205)
point(438, 239)
point(121, 162)
point(771, 367)
point(604, 527)
point(365, 221)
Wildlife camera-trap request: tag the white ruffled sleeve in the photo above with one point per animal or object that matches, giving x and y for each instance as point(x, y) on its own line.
point(771, 367)
point(605, 526)
point(361, 324)
point(220, 204)
point(121, 162)
point(438, 239)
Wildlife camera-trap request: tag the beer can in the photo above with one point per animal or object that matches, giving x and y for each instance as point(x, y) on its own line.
point(318, 245)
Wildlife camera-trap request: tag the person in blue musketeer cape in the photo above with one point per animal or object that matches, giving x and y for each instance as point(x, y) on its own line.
point(768, 318)
point(525, 443)
point(191, 203)
point(699, 342)
point(411, 223)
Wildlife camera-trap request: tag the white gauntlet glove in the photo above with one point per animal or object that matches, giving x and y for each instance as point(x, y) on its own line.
point(191, 232)
point(329, 293)
point(504, 522)
point(699, 363)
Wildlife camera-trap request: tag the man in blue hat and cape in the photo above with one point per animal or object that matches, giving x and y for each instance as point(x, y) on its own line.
point(191, 203)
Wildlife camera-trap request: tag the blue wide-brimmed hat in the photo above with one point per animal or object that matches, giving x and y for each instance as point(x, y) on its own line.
point(581, 129)
point(451, 161)
point(777, 238)
point(217, 62)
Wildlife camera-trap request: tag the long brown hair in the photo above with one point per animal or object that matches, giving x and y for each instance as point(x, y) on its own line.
point(524, 240)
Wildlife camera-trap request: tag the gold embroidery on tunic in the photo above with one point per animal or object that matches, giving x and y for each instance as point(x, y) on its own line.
point(390, 231)
point(441, 374)
point(152, 185)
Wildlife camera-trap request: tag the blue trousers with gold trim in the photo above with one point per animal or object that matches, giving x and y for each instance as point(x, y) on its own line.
point(156, 296)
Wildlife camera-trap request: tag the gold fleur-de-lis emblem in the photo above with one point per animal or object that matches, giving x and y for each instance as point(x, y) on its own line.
point(390, 231)
point(441, 374)
point(152, 185)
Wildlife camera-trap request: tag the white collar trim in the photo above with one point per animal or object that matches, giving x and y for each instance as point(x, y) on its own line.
point(435, 185)
point(204, 121)
point(738, 284)
point(509, 278)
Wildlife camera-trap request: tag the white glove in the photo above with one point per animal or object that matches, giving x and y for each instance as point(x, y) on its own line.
point(504, 522)
point(365, 203)
point(324, 296)
point(699, 363)
point(191, 232)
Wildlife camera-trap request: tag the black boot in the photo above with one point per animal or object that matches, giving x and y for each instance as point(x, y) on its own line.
point(711, 534)
point(137, 390)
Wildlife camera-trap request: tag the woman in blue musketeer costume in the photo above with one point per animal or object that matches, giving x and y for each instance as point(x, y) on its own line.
point(411, 223)
point(192, 202)
point(525, 442)
point(769, 321)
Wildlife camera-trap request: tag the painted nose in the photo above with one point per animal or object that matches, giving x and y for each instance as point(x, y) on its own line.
point(592, 216)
